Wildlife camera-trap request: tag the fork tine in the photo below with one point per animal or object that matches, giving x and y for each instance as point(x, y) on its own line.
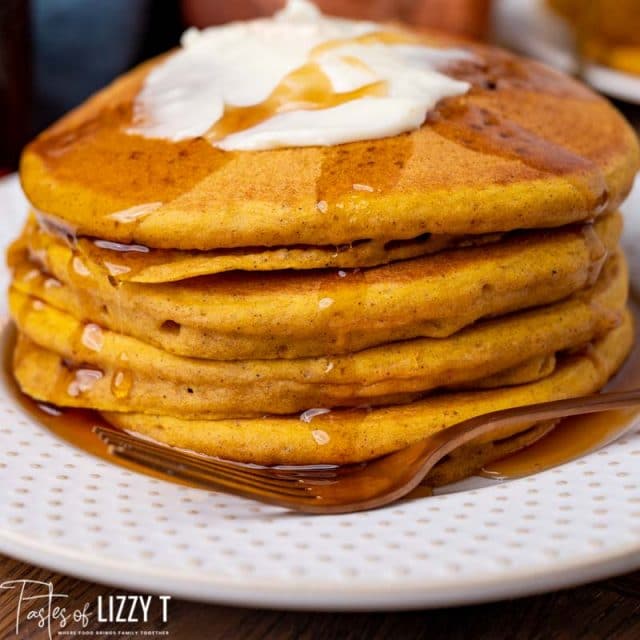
point(174, 466)
point(361, 487)
point(282, 496)
point(202, 465)
point(173, 461)
point(267, 475)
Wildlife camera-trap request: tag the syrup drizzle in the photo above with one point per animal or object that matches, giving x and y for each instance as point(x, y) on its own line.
point(579, 435)
point(139, 172)
point(346, 167)
point(495, 70)
point(307, 88)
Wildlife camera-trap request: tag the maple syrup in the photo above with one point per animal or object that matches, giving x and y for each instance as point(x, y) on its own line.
point(576, 436)
point(483, 130)
point(307, 88)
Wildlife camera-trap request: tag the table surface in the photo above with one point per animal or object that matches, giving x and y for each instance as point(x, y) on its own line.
point(605, 610)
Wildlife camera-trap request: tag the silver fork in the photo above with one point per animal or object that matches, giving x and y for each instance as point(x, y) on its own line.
point(350, 488)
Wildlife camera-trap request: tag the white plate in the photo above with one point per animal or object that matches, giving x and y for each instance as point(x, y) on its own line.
point(532, 28)
point(63, 509)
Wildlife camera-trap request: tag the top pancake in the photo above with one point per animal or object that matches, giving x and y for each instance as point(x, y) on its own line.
point(526, 148)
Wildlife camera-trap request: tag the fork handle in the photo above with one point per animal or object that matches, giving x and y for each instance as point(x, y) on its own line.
point(438, 445)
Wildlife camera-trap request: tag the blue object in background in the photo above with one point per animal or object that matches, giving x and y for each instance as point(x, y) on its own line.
point(79, 46)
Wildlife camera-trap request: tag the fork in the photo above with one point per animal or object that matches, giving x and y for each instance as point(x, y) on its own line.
point(327, 489)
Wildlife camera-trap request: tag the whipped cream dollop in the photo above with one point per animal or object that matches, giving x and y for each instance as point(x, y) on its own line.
point(297, 79)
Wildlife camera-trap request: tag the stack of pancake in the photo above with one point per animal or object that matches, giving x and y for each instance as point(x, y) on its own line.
point(327, 305)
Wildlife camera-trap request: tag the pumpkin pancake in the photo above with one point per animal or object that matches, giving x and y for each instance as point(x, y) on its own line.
point(526, 148)
point(347, 436)
point(534, 369)
point(137, 263)
point(111, 389)
point(316, 313)
point(497, 353)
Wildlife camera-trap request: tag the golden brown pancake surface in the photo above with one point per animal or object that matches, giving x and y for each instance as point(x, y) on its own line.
point(354, 435)
point(137, 263)
point(315, 313)
point(527, 147)
point(498, 353)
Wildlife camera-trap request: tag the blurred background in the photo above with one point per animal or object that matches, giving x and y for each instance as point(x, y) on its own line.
point(55, 53)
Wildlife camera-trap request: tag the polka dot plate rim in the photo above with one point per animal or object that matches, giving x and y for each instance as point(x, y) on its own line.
point(477, 541)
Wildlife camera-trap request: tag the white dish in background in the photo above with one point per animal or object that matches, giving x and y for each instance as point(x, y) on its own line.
point(475, 542)
point(530, 27)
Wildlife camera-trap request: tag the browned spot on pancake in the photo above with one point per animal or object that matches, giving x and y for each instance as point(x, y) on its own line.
point(99, 152)
point(496, 70)
point(479, 129)
point(369, 167)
